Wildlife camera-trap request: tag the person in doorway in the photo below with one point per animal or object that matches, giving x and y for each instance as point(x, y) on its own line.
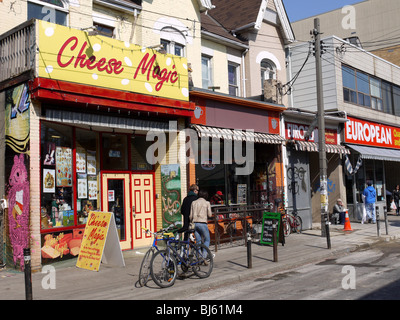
point(396, 198)
point(200, 211)
point(185, 208)
point(217, 198)
point(370, 198)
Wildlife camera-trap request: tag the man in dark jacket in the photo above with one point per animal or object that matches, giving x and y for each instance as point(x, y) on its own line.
point(185, 209)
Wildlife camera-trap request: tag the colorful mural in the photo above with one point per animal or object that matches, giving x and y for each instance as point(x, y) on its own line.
point(171, 194)
point(17, 128)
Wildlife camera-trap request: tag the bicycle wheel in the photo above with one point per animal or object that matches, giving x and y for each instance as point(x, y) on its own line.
point(144, 272)
point(286, 226)
point(298, 224)
point(202, 261)
point(163, 269)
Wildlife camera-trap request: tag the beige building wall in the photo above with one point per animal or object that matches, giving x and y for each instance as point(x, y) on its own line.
point(371, 20)
point(266, 44)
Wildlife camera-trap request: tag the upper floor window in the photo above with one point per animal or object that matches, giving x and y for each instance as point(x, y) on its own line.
point(362, 89)
point(206, 72)
point(268, 71)
point(54, 11)
point(104, 30)
point(233, 79)
point(173, 41)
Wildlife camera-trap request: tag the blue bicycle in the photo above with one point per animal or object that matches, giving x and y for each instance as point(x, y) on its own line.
point(160, 236)
point(187, 254)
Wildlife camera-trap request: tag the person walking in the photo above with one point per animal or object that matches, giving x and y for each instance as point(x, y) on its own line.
point(200, 211)
point(185, 209)
point(396, 198)
point(370, 198)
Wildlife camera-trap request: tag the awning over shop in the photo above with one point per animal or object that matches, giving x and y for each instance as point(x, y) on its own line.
point(313, 147)
point(376, 153)
point(239, 135)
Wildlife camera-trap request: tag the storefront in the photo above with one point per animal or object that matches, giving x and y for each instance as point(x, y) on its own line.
point(375, 157)
point(242, 164)
point(302, 166)
point(78, 138)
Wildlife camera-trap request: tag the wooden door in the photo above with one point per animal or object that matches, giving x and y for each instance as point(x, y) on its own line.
point(142, 191)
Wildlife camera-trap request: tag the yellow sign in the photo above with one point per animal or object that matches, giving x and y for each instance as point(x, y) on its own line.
point(72, 55)
point(99, 239)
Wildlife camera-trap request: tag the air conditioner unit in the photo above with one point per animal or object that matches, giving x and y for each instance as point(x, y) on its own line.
point(271, 90)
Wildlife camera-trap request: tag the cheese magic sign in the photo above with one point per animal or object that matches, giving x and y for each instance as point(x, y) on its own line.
point(72, 55)
point(372, 134)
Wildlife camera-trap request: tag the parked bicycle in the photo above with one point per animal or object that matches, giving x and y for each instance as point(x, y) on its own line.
point(292, 222)
point(159, 236)
point(187, 254)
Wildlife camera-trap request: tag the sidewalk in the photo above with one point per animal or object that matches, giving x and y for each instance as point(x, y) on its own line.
point(230, 266)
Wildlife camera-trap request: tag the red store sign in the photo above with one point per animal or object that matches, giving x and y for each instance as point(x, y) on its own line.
point(295, 131)
point(372, 134)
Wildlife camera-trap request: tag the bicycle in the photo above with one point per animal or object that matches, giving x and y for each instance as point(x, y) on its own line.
point(144, 272)
point(292, 222)
point(188, 254)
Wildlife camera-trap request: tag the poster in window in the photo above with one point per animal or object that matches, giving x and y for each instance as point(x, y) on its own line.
point(49, 181)
point(92, 186)
point(64, 167)
point(82, 185)
point(49, 158)
point(242, 193)
point(80, 160)
point(91, 162)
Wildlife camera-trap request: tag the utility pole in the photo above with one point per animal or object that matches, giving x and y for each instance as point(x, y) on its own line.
point(321, 133)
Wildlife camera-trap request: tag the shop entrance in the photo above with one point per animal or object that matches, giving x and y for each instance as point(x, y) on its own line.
point(131, 198)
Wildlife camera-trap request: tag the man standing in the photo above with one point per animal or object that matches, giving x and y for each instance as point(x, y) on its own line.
point(185, 209)
point(370, 197)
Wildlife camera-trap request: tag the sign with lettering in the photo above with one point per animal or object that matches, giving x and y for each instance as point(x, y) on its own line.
point(271, 219)
point(73, 55)
point(297, 131)
point(372, 133)
point(100, 242)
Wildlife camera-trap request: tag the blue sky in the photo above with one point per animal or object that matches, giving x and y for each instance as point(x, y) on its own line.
point(300, 9)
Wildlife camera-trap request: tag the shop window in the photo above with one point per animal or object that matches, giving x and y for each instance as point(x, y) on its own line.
point(237, 186)
point(139, 146)
point(114, 152)
point(57, 209)
point(87, 169)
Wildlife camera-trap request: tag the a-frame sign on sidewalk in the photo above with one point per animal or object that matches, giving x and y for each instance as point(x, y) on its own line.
point(100, 243)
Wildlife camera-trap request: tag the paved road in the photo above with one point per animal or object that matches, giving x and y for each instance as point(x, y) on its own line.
point(372, 273)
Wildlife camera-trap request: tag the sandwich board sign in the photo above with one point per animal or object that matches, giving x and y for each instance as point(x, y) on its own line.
point(100, 242)
point(269, 220)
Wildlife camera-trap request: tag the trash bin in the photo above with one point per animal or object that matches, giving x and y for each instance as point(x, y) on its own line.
point(342, 217)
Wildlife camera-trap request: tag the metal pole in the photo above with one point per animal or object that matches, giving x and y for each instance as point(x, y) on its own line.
point(386, 220)
point(249, 259)
point(321, 131)
point(275, 241)
point(28, 274)
point(378, 227)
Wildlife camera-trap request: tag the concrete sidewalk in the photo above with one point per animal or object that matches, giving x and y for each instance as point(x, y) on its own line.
point(230, 266)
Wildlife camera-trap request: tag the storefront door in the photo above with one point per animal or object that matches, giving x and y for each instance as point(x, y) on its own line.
point(142, 190)
point(131, 198)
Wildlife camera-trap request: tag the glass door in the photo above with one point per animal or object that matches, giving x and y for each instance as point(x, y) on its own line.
point(116, 199)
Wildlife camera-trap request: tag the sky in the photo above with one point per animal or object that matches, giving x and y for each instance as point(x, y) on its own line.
point(300, 9)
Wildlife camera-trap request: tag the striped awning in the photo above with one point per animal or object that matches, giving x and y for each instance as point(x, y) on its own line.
point(313, 147)
point(239, 135)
